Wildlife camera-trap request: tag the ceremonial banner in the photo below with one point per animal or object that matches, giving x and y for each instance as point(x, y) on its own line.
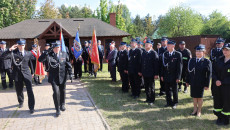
point(39, 70)
point(94, 52)
point(77, 49)
point(63, 48)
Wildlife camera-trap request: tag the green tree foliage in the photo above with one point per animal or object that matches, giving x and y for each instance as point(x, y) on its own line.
point(138, 26)
point(49, 11)
point(149, 26)
point(64, 11)
point(180, 21)
point(217, 24)
point(104, 10)
point(76, 12)
point(86, 12)
point(120, 21)
point(14, 11)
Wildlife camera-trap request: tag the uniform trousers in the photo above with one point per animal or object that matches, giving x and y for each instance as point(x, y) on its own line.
point(149, 89)
point(59, 94)
point(135, 84)
point(125, 81)
point(171, 90)
point(19, 90)
point(3, 77)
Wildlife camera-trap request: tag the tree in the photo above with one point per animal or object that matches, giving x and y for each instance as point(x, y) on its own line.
point(14, 11)
point(180, 21)
point(112, 9)
point(75, 12)
point(149, 26)
point(5, 8)
point(86, 12)
point(64, 11)
point(217, 24)
point(104, 10)
point(120, 21)
point(98, 13)
point(126, 15)
point(48, 11)
point(138, 26)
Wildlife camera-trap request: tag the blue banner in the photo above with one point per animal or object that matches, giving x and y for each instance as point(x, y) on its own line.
point(77, 49)
point(63, 48)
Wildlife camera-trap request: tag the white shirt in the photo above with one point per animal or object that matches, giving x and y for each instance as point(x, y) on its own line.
point(134, 49)
point(219, 49)
point(58, 55)
point(149, 50)
point(170, 53)
point(22, 53)
point(198, 59)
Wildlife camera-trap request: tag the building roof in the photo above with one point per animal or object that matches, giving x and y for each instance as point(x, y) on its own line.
point(32, 28)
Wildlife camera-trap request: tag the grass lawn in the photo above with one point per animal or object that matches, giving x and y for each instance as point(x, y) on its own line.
point(123, 112)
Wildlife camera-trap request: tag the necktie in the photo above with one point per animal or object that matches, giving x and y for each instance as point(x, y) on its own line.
point(21, 54)
point(197, 60)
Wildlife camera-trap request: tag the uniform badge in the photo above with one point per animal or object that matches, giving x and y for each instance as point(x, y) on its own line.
point(62, 59)
point(185, 58)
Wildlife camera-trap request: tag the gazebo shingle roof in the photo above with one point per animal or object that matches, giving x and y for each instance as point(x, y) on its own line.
point(34, 27)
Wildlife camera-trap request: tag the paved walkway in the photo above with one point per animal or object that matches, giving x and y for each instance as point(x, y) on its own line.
point(80, 110)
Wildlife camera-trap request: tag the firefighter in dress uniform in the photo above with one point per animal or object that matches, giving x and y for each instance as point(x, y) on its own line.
point(200, 71)
point(221, 90)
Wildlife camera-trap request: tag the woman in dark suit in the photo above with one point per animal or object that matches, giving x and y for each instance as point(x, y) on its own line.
point(200, 70)
point(221, 89)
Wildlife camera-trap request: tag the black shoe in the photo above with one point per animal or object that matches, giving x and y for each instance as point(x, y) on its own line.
point(58, 113)
point(3, 88)
point(219, 121)
point(11, 87)
point(161, 94)
point(113, 81)
point(179, 90)
point(32, 111)
point(147, 101)
point(225, 120)
point(62, 108)
point(174, 106)
point(131, 95)
point(167, 105)
point(20, 105)
point(193, 114)
point(135, 97)
point(39, 83)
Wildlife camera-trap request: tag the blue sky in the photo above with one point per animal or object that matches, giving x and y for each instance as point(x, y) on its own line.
point(155, 7)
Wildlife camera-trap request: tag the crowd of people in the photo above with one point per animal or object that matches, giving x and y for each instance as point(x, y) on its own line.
point(176, 69)
point(139, 66)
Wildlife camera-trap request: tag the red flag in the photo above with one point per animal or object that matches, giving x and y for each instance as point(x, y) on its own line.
point(39, 71)
point(94, 55)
